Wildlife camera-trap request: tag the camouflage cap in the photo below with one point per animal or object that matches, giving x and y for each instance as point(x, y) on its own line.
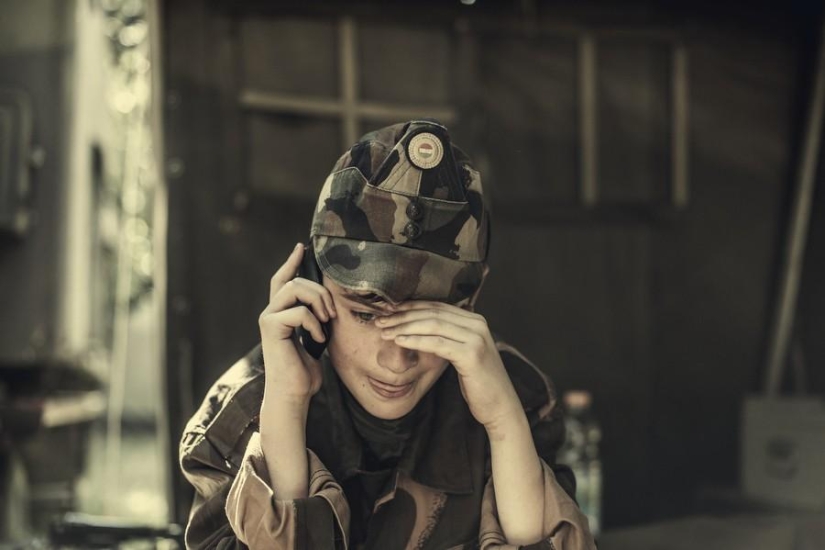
point(402, 215)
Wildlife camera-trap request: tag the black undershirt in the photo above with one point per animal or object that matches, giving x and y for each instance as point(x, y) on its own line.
point(384, 444)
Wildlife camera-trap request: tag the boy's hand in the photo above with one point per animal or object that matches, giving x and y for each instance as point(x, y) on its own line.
point(462, 338)
point(290, 371)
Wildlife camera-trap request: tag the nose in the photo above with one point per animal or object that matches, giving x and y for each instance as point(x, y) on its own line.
point(396, 359)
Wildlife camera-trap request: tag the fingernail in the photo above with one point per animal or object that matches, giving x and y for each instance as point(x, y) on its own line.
point(297, 246)
point(386, 334)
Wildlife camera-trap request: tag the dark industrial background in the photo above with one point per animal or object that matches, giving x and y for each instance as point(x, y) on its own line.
point(660, 309)
point(641, 160)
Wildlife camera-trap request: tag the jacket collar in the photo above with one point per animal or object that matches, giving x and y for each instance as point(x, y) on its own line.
point(440, 449)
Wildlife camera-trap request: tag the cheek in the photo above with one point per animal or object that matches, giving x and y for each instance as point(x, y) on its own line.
point(348, 342)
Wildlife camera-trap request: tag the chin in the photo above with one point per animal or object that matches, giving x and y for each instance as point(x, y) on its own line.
point(386, 411)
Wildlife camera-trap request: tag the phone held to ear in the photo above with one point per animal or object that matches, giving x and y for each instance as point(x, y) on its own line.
point(309, 270)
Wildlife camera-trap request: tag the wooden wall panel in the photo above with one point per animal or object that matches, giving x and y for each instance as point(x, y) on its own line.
point(529, 102)
point(405, 64)
point(576, 300)
point(634, 118)
point(289, 54)
point(288, 155)
point(714, 271)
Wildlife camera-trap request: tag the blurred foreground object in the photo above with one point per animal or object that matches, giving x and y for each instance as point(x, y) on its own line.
point(17, 157)
point(581, 453)
point(78, 256)
point(45, 416)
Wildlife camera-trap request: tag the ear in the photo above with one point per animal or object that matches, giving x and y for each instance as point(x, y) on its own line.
point(472, 303)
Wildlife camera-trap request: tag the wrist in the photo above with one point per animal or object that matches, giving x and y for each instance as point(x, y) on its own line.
point(282, 390)
point(284, 407)
point(510, 423)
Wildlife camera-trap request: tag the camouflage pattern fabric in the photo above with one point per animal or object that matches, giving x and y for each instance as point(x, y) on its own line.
point(402, 215)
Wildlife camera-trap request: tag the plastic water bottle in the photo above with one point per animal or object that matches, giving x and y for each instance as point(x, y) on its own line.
point(581, 453)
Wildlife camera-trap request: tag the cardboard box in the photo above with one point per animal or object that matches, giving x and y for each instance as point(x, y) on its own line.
point(783, 451)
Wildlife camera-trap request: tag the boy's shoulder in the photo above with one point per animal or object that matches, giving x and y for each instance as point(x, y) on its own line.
point(533, 386)
point(230, 408)
point(538, 398)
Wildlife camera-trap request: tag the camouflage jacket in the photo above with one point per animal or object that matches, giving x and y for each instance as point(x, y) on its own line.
point(440, 496)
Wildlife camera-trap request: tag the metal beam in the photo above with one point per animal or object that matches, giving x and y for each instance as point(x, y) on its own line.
point(349, 79)
point(398, 113)
point(588, 120)
point(797, 232)
point(280, 103)
point(680, 192)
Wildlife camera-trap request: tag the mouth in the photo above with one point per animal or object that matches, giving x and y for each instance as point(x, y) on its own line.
point(390, 391)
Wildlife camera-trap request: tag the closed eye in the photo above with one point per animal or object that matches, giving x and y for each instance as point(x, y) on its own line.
point(363, 316)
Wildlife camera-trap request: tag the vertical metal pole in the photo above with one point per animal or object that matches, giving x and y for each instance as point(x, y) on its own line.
point(797, 232)
point(588, 120)
point(349, 79)
point(680, 192)
point(134, 145)
point(165, 437)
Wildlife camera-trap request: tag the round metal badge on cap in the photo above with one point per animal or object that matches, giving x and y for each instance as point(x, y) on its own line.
point(425, 150)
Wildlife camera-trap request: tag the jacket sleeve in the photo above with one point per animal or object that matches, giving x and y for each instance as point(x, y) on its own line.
point(565, 527)
point(261, 520)
point(207, 526)
point(240, 510)
point(234, 506)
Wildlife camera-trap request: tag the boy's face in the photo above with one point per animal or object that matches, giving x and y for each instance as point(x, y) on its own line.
point(387, 380)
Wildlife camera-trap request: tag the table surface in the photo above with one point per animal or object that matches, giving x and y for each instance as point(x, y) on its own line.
point(786, 531)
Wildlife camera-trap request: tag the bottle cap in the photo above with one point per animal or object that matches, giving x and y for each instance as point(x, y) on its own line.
point(577, 399)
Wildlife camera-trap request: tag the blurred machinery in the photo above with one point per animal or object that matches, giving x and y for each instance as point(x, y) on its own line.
point(48, 392)
point(75, 240)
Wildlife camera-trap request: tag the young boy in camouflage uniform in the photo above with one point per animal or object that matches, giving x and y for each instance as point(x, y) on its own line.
point(416, 429)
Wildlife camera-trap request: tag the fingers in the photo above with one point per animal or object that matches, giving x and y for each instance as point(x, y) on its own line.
point(283, 323)
point(466, 356)
point(408, 313)
point(306, 292)
point(438, 345)
point(428, 326)
point(287, 271)
point(447, 331)
point(285, 290)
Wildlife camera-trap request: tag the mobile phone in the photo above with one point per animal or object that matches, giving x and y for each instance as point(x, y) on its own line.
point(310, 270)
